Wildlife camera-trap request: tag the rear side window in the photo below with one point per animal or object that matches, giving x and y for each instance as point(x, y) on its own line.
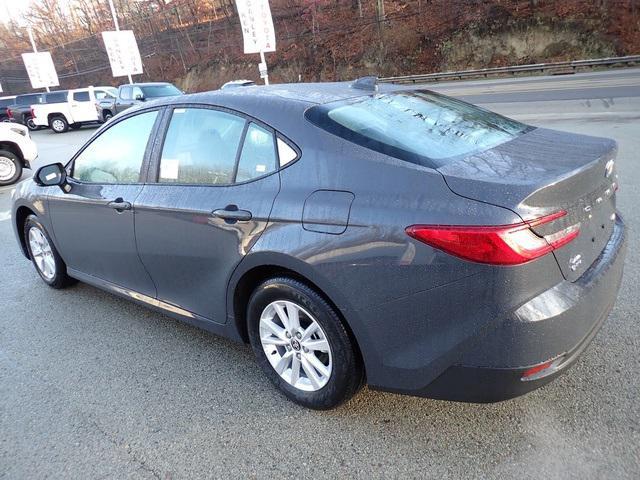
point(6, 101)
point(258, 154)
point(201, 147)
point(81, 96)
point(418, 126)
point(116, 155)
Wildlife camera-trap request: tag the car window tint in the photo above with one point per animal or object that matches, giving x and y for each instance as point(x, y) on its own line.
point(136, 92)
point(258, 154)
point(126, 93)
point(55, 97)
point(201, 146)
point(81, 96)
point(154, 91)
point(28, 99)
point(116, 155)
point(418, 126)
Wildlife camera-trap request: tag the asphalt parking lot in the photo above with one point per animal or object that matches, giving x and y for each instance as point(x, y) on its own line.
point(93, 386)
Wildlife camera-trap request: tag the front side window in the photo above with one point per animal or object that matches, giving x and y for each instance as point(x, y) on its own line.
point(116, 156)
point(418, 126)
point(126, 93)
point(201, 146)
point(258, 154)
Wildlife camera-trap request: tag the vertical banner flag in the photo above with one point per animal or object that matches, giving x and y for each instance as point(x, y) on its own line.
point(257, 26)
point(41, 70)
point(123, 53)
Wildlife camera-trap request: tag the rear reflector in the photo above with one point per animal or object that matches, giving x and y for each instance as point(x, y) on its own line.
point(542, 369)
point(496, 245)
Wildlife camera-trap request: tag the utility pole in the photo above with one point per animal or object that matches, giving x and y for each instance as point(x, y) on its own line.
point(33, 45)
point(115, 21)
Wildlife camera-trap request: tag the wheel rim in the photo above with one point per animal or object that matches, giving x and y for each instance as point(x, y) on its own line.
point(7, 169)
point(107, 117)
point(58, 125)
point(42, 253)
point(31, 124)
point(295, 345)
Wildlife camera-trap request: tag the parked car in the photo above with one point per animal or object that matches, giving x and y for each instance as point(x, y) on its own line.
point(238, 83)
point(20, 110)
point(4, 103)
point(133, 94)
point(17, 151)
point(349, 232)
point(70, 109)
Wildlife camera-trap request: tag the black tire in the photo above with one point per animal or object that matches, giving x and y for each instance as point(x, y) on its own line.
point(58, 124)
point(60, 278)
point(106, 116)
point(7, 158)
point(31, 124)
point(75, 126)
point(347, 372)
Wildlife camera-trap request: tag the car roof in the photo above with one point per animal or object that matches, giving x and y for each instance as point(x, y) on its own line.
point(145, 84)
point(279, 105)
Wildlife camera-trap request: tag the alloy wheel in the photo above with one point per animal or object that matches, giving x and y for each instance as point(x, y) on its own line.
point(7, 169)
point(42, 253)
point(58, 125)
point(295, 345)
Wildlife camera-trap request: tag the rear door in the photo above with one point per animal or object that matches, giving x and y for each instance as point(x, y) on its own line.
point(94, 221)
point(214, 182)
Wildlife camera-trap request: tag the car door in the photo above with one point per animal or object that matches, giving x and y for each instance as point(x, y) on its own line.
point(82, 107)
point(93, 222)
point(215, 183)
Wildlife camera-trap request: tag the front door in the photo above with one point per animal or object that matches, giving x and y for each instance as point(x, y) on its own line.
point(216, 183)
point(94, 222)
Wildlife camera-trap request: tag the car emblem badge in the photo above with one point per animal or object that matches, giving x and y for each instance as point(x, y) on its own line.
point(608, 169)
point(575, 262)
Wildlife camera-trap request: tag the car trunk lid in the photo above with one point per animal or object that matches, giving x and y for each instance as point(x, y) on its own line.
point(541, 172)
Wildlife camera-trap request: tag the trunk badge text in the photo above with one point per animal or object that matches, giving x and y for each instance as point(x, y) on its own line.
point(608, 169)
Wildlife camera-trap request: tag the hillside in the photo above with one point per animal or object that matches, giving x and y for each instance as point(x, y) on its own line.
point(198, 44)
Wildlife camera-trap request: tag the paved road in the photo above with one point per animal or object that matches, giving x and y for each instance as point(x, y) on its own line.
point(95, 387)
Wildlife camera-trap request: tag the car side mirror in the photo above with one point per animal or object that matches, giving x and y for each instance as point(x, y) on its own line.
point(51, 175)
point(139, 97)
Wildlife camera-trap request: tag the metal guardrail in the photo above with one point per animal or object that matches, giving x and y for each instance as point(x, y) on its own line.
point(560, 67)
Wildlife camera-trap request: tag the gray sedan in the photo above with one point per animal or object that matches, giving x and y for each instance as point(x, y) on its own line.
point(351, 232)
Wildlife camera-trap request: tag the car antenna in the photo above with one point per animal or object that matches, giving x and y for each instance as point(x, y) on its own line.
point(366, 83)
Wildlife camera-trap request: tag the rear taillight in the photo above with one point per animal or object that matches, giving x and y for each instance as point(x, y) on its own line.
point(9, 113)
point(33, 114)
point(496, 245)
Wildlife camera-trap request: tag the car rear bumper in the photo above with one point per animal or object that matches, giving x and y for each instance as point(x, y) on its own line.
point(551, 331)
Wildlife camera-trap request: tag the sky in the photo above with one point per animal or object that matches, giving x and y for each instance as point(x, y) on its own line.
point(13, 9)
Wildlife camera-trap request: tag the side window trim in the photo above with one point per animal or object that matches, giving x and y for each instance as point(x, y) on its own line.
point(147, 152)
point(153, 174)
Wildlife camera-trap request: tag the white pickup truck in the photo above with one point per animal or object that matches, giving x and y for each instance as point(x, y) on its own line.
point(72, 109)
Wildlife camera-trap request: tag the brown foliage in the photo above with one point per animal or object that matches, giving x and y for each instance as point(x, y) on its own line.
point(198, 43)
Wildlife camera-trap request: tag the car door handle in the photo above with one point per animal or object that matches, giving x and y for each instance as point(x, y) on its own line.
point(119, 205)
point(232, 213)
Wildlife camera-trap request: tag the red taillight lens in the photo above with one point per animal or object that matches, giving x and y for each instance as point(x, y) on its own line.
point(9, 113)
point(33, 115)
point(496, 245)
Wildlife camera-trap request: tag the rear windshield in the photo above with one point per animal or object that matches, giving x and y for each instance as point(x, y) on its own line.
point(418, 126)
point(152, 91)
point(6, 101)
point(56, 97)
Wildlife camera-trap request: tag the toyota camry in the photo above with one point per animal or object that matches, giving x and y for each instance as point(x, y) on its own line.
point(352, 233)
